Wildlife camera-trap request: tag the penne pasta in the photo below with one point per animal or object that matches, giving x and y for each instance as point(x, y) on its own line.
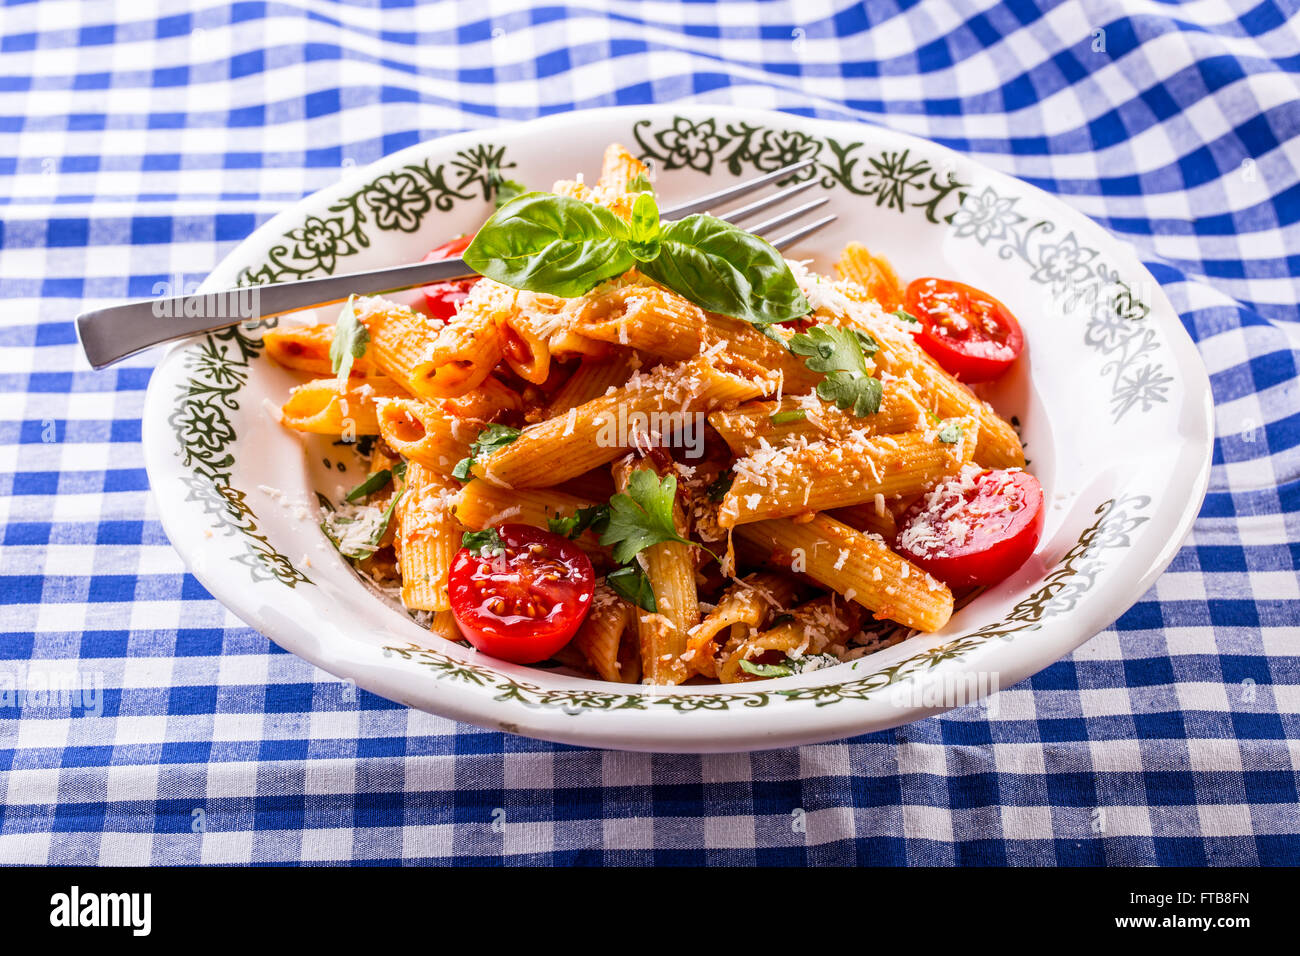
point(744, 606)
point(872, 273)
point(747, 428)
point(670, 566)
point(399, 339)
point(480, 505)
point(323, 408)
point(593, 378)
point(428, 537)
point(899, 356)
point(857, 565)
point(809, 629)
point(817, 476)
point(425, 434)
point(603, 636)
point(306, 348)
point(598, 431)
point(657, 322)
point(487, 402)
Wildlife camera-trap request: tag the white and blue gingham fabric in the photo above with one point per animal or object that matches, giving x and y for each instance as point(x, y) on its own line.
point(140, 141)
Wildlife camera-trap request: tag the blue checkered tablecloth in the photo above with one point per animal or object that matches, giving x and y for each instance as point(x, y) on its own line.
point(140, 141)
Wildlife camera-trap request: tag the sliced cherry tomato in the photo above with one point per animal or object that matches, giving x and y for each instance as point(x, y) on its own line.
point(443, 298)
point(976, 527)
point(524, 602)
point(968, 332)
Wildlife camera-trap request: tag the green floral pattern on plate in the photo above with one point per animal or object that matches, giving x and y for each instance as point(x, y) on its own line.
point(1075, 275)
point(219, 363)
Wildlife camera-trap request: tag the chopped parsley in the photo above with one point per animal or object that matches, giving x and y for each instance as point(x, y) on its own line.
point(349, 342)
point(490, 439)
point(574, 525)
point(632, 583)
point(785, 418)
point(479, 542)
point(950, 434)
point(841, 355)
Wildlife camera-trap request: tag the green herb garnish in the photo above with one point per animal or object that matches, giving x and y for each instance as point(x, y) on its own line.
point(480, 541)
point(566, 247)
point(338, 527)
point(718, 488)
point(765, 670)
point(841, 355)
point(490, 439)
point(642, 516)
point(633, 584)
point(349, 343)
point(640, 183)
point(574, 525)
point(950, 434)
point(785, 418)
point(904, 315)
point(374, 482)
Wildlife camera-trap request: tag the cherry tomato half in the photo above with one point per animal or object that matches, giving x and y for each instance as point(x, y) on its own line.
point(524, 603)
point(975, 528)
point(968, 332)
point(443, 298)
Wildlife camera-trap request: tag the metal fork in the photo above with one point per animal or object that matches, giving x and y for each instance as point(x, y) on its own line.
point(111, 334)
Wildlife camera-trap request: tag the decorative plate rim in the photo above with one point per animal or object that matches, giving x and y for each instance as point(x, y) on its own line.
point(502, 696)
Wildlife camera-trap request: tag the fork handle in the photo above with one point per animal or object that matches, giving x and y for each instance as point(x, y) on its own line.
point(110, 335)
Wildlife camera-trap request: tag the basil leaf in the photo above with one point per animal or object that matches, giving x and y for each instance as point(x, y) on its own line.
point(633, 584)
point(508, 189)
point(552, 244)
point(724, 269)
point(904, 315)
point(374, 482)
point(644, 229)
point(349, 343)
point(480, 541)
point(765, 670)
point(640, 183)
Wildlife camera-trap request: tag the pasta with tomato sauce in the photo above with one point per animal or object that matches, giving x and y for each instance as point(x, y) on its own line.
point(586, 452)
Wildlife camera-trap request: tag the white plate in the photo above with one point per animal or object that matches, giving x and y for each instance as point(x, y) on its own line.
point(1111, 396)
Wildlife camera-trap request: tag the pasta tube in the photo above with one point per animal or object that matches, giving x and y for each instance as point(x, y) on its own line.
point(592, 434)
point(323, 408)
point(857, 565)
point(817, 476)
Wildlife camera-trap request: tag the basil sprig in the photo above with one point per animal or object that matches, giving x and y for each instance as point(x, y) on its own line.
point(724, 269)
point(541, 242)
